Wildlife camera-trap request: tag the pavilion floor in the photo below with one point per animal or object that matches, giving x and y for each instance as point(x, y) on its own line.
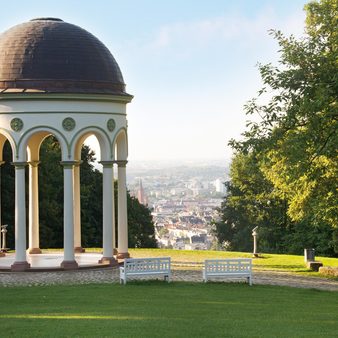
point(52, 261)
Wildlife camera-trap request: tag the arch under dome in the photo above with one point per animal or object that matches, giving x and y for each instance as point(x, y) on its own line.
point(50, 55)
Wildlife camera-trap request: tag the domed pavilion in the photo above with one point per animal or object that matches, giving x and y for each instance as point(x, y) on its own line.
point(58, 79)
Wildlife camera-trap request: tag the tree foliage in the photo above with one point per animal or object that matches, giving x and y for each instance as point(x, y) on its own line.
point(251, 201)
point(295, 140)
point(7, 194)
point(141, 227)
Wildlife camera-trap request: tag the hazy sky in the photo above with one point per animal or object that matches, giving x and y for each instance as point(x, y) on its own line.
point(191, 64)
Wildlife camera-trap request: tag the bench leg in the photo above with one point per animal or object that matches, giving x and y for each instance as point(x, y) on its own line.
point(250, 281)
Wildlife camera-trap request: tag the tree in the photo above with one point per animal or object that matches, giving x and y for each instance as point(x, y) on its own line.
point(141, 232)
point(250, 201)
point(296, 138)
point(50, 195)
point(7, 194)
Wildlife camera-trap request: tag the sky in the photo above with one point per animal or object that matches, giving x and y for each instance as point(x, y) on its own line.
point(190, 64)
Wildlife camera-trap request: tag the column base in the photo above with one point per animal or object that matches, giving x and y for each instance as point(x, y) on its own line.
point(69, 265)
point(111, 261)
point(79, 249)
point(20, 266)
point(34, 251)
point(122, 255)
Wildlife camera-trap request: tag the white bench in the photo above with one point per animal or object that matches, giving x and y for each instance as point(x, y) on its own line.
point(232, 267)
point(145, 267)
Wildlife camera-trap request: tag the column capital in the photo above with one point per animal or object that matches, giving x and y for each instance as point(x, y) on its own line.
point(107, 164)
point(121, 163)
point(78, 163)
point(68, 164)
point(19, 165)
point(34, 163)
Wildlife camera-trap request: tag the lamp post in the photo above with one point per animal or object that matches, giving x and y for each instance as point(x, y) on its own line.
point(3, 238)
point(254, 235)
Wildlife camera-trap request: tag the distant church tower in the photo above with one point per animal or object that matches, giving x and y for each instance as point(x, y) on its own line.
point(141, 195)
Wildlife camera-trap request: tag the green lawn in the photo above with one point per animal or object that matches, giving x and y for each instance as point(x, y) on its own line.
point(275, 262)
point(158, 309)
point(286, 263)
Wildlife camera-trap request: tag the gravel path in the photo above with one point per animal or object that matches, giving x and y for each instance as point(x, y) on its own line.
point(111, 275)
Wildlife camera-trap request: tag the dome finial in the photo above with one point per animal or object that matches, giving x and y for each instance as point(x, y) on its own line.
point(46, 19)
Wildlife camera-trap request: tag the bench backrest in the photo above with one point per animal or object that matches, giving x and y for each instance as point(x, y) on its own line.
point(147, 264)
point(232, 265)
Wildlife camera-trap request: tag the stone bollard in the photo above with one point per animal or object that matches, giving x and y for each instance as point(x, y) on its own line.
point(314, 266)
point(254, 235)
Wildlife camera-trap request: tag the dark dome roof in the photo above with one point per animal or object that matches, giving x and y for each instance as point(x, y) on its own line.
point(50, 55)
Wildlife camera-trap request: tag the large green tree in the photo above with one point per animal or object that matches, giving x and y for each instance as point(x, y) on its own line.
point(251, 201)
point(296, 137)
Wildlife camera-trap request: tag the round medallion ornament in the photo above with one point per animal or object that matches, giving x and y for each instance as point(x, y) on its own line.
point(111, 124)
point(16, 124)
point(68, 124)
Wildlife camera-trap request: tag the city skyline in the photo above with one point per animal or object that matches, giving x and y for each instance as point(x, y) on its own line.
point(189, 64)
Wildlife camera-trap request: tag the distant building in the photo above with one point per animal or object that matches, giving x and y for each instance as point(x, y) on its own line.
point(141, 196)
point(219, 186)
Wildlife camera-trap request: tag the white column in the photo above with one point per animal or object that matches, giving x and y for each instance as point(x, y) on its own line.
point(1, 163)
point(2, 254)
point(34, 245)
point(108, 213)
point(20, 263)
point(68, 216)
point(122, 217)
point(77, 209)
point(113, 209)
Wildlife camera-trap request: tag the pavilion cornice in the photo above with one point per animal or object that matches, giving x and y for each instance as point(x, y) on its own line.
point(62, 112)
point(59, 96)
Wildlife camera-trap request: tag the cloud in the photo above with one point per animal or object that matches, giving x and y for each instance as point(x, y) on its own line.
point(226, 28)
